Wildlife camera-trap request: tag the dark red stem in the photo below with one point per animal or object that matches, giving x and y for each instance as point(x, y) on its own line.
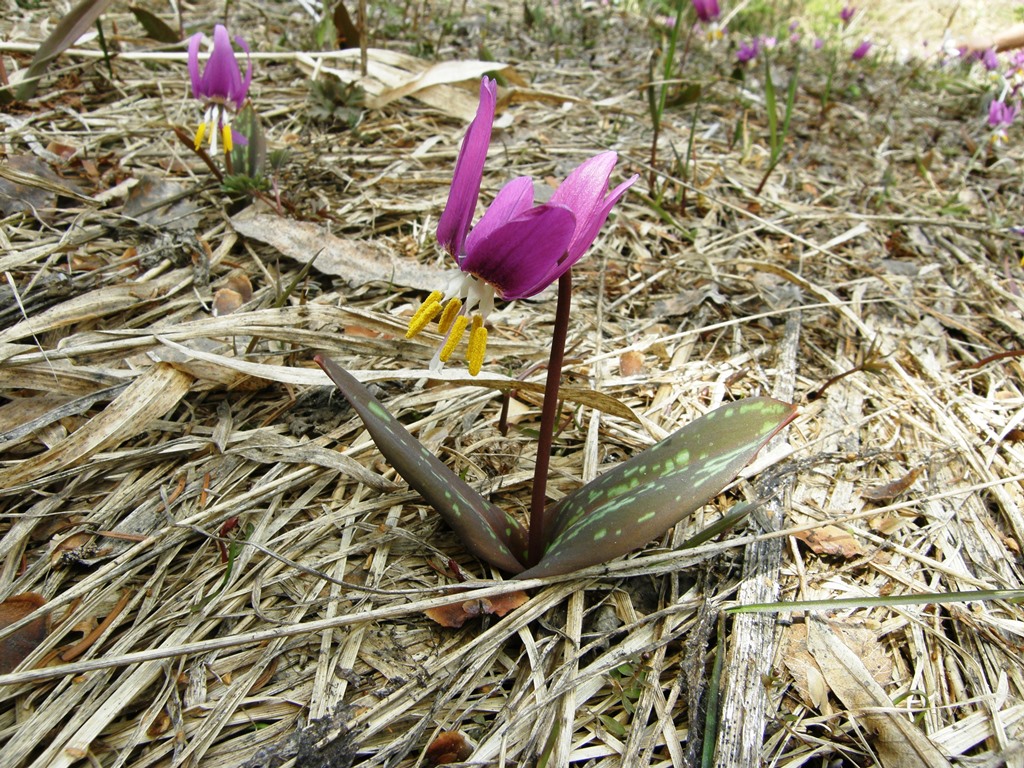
point(548, 416)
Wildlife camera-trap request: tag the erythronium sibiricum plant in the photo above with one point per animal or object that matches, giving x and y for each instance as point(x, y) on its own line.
point(627, 506)
point(517, 249)
point(220, 85)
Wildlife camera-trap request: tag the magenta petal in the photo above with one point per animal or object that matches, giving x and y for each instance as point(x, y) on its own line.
point(469, 170)
point(584, 192)
point(516, 256)
point(243, 89)
point(221, 77)
point(514, 199)
point(193, 63)
point(586, 234)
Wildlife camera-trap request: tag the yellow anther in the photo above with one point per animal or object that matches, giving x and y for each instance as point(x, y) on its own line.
point(477, 346)
point(458, 328)
point(451, 310)
point(225, 132)
point(428, 310)
point(200, 132)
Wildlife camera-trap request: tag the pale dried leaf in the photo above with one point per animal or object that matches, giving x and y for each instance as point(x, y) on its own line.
point(149, 397)
point(831, 540)
point(899, 741)
point(356, 261)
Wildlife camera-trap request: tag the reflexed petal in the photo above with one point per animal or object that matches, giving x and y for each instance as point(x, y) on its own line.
point(515, 257)
point(243, 89)
point(584, 192)
point(514, 199)
point(193, 64)
point(469, 170)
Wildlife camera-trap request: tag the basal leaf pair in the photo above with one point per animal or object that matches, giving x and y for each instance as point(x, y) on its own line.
point(621, 510)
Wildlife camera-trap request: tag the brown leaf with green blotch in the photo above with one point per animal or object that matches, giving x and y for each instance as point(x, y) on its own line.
point(16, 647)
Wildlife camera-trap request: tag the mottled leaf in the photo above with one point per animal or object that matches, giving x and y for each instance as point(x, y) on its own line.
point(643, 497)
point(487, 531)
point(250, 158)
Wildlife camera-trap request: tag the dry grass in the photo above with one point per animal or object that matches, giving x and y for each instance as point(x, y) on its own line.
point(233, 575)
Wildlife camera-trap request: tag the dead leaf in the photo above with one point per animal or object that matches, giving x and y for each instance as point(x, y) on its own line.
point(356, 261)
point(631, 363)
point(236, 291)
point(807, 678)
point(831, 540)
point(225, 302)
point(391, 74)
point(457, 614)
point(16, 647)
point(900, 743)
point(448, 747)
point(890, 491)
point(28, 185)
point(162, 203)
point(149, 397)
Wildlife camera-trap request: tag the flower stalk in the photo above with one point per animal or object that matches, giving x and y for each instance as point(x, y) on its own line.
point(548, 419)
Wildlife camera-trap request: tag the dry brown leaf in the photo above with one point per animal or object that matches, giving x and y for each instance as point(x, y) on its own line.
point(162, 202)
point(16, 647)
point(389, 72)
point(899, 741)
point(448, 747)
point(235, 292)
point(225, 302)
point(99, 303)
point(831, 540)
point(441, 73)
point(457, 614)
point(890, 491)
point(356, 261)
point(631, 363)
point(807, 678)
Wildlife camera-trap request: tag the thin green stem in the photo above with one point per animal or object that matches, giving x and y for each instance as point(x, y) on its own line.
point(548, 416)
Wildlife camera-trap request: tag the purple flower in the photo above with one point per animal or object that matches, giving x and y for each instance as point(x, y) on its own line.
point(818, 43)
point(707, 10)
point(1001, 114)
point(748, 51)
point(517, 249)
point(1000, 117)
point(846, 14)
point(861, 50)
point(220, 86)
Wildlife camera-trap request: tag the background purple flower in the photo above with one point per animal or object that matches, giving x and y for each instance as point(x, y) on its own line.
point(748, 51)
point(861, 50)
point(707, 10)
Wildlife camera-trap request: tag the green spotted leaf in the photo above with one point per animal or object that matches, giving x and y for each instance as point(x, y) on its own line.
point(643, 497)
point(488, 532)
